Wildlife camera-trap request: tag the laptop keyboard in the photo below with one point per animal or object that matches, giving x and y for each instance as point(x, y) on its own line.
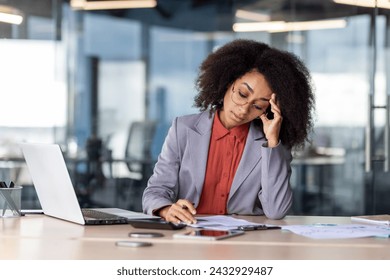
point(90, 213)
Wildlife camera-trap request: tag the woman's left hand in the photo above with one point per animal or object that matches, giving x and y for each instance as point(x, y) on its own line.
point(271, 127)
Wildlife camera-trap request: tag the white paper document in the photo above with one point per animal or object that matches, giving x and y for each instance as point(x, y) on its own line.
point(220, 222)
point(329, 231)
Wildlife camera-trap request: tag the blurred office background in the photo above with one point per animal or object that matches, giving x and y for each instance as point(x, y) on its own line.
point(104, 79)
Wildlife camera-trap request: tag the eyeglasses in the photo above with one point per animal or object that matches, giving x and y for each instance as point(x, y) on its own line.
point(240, 98)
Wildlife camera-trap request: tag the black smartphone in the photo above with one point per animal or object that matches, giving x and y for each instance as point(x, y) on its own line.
point(257, 227)
point(269, 113)
point(155, 224)
point(208, 234)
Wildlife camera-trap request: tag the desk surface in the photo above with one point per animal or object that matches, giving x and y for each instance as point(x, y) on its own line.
point(41, 237)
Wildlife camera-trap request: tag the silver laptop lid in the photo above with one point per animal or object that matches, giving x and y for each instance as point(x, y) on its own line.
point(52, 182)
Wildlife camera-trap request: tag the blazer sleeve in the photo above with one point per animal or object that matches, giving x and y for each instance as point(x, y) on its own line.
point(276, 194)
point(162, 188)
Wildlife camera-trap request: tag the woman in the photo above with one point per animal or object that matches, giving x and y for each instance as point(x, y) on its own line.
point(234, 157)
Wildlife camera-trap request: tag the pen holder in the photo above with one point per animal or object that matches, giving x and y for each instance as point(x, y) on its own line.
point(10, 201)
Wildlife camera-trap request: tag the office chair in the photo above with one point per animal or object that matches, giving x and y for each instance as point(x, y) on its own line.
point(139, 162)
point(138, 145)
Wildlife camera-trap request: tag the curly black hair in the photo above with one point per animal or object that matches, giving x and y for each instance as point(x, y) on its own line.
point(285, 73)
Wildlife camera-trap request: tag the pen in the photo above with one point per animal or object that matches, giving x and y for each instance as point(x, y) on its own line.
point(4, 185)
point(11, 204)
point(8, 199)
point(185, 206)
point(193, 212)
point(257, 227)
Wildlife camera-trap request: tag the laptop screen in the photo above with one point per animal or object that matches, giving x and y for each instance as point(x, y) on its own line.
point(52, 182)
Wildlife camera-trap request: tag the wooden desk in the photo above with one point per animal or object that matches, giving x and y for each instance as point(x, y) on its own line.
point(41, 237)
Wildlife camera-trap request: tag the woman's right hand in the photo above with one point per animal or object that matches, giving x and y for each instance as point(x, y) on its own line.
point(181, 211)
point(272, 126)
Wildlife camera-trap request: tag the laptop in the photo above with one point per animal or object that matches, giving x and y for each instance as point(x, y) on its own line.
point(56, 193)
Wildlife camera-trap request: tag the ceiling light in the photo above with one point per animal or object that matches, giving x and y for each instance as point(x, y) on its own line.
point(258, 26)
point(114, 4)
point(366, 3)
point(282, 26)
point(256, 16)
point(313, 25)
point(10, 15)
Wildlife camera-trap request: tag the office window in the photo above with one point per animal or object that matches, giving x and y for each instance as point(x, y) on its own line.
point(33, 91)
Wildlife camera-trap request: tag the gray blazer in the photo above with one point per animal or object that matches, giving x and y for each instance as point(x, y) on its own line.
point(261, 184)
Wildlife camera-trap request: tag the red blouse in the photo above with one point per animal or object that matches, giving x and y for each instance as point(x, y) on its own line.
point(225, 151)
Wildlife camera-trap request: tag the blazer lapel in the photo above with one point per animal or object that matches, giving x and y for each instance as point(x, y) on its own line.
point(250, 157)
point(199, 141)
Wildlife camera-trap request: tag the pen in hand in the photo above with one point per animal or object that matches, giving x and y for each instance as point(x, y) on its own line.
point(189, 208)
point(185, 207)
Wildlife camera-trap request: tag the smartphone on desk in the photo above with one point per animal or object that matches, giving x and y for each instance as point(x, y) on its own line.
point(208, 234)
point(155, 224)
